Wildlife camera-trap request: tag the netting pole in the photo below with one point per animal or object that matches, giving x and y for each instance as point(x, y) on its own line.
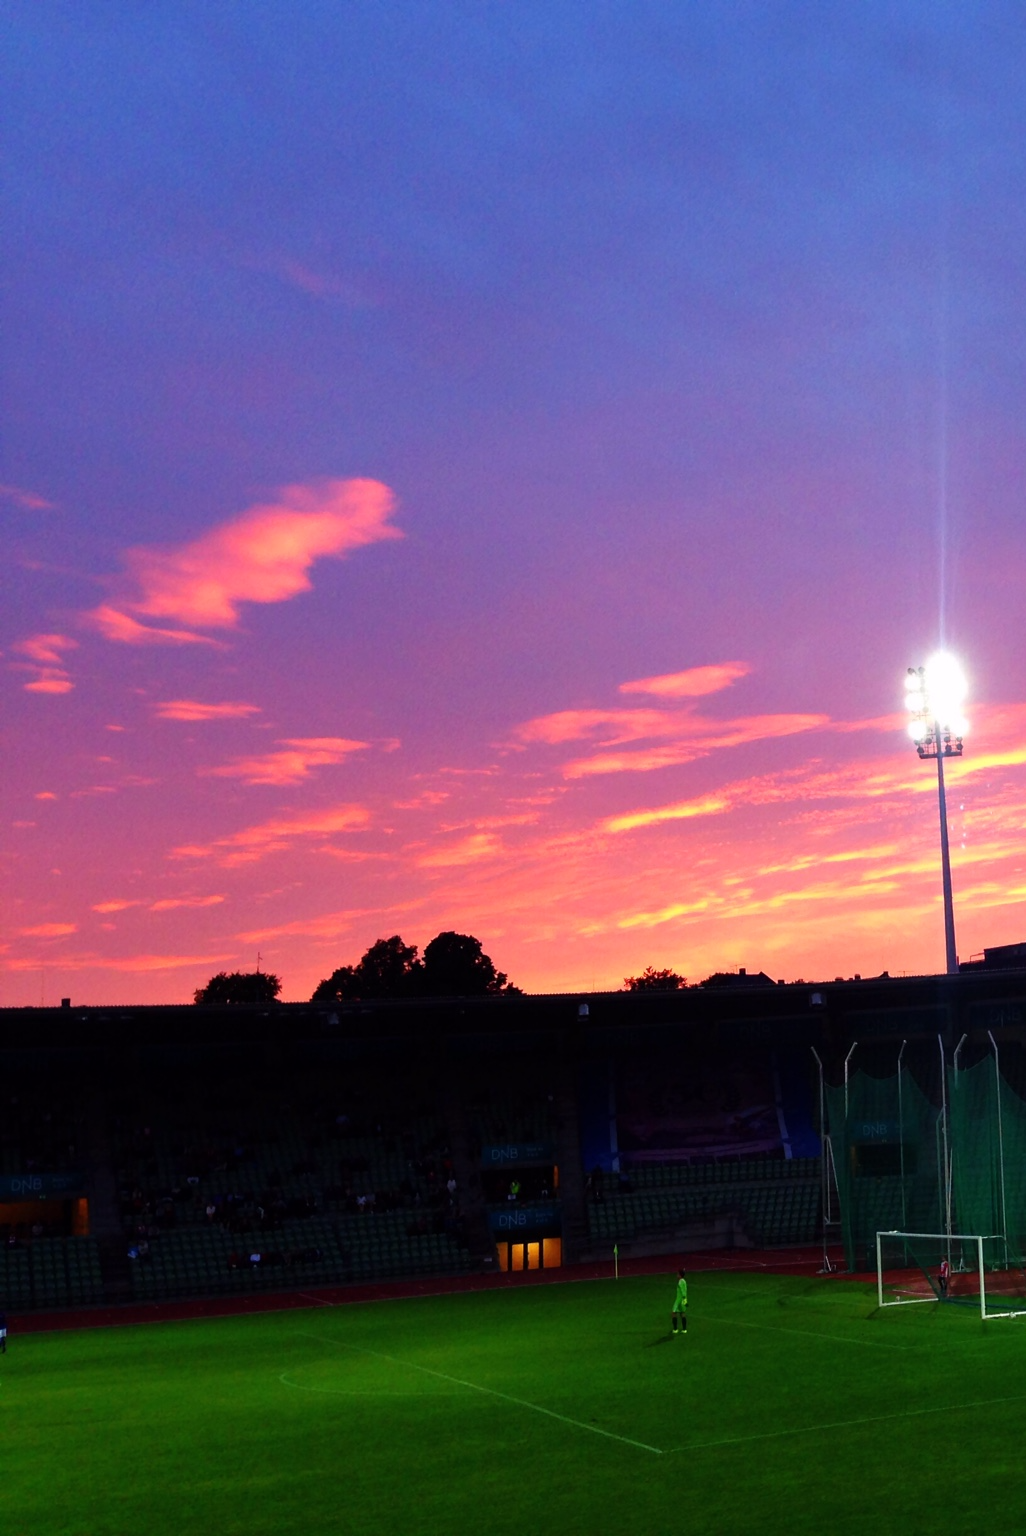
point(825, 1153)
point(1001, 1144)
point(879, 1271)
point(946, 1156)
point(983, 1279)
point(850, 1054)
point(901, 1144)
point(957, 1138)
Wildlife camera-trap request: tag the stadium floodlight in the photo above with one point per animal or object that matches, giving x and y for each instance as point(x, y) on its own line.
point(934, 697)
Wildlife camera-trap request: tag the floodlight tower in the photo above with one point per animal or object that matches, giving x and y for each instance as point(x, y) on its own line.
point(934, 696)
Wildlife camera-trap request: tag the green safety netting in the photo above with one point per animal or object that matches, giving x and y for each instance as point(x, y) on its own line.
point(890, 1143)
point(988, 1156)
point(888, 1157)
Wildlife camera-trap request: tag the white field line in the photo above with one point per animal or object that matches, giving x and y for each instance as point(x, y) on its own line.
point(520, 1402)
point(809, 1333)
point(815, 1429)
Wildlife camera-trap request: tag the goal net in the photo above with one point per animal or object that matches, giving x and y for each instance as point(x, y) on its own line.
point(970, 1269)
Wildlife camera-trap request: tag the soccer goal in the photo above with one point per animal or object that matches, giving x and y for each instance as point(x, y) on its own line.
point(949, 1266)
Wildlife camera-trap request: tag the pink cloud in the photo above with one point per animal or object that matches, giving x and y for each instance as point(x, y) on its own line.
point(191, 709)
point(50, 682)
point(27, 499)
point(117, 625)
point(45, 653)
point(692, 684)
point(614, 725)
point(46, 650)
point(264, 556)
point(705, 736)
point(273, 836)
point(291, 766)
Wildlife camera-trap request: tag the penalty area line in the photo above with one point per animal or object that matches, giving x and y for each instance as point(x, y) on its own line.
point(506, 1397)
point(814, 1429)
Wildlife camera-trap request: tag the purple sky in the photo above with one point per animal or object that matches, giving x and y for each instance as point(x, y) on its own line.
point(404, 380)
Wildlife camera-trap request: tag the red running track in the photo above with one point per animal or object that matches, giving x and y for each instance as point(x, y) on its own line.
point(781, 1261)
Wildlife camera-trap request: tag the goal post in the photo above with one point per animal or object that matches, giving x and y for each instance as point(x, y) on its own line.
point(967, 1268)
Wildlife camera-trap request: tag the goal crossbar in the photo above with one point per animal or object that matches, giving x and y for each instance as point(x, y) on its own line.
point(971, 1251)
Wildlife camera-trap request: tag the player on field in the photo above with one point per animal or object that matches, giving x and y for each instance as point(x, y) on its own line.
point(680, 1305)
point(943, 1276)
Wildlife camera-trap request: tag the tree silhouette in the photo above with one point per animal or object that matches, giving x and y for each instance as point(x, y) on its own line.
point(455, 965)
point(652, 980)
point(239, 987)
point(389, 968)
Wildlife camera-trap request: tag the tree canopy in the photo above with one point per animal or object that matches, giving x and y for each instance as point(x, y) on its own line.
point(652, 980)
point(389, 968)
point(453, 965)
point(239, 987)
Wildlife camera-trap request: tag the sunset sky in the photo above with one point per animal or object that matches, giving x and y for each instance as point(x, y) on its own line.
point(489, 466)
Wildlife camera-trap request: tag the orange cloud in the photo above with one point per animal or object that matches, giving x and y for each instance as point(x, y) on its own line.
point(190, 709)
point(49, 931)
point(683, 810)
point(93, 962)
point(272, 836)
point(264, 556)
point(328, 926)
point(115, 906)
point(692, 684)
point(291, 766)
point(469, 850)
point(169, 903)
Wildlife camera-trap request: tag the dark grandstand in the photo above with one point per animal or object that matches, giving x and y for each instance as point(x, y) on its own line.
point(163, 1153)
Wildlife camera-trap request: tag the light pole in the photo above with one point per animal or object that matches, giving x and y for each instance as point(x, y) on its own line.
point(934, 696)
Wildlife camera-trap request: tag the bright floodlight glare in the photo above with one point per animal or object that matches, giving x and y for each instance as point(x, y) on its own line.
point(945, 689)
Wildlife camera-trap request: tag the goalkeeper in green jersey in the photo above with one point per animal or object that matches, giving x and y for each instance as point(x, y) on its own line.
point(680, 1305)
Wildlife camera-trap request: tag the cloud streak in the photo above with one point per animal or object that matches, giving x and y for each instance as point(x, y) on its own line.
point(276, 835)
point(694, 683)
point(263, 556)
point(191, 709)
point(295, 763)
point(46, 662)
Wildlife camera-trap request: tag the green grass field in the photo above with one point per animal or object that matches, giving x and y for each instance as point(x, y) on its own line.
point(791, 1406)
